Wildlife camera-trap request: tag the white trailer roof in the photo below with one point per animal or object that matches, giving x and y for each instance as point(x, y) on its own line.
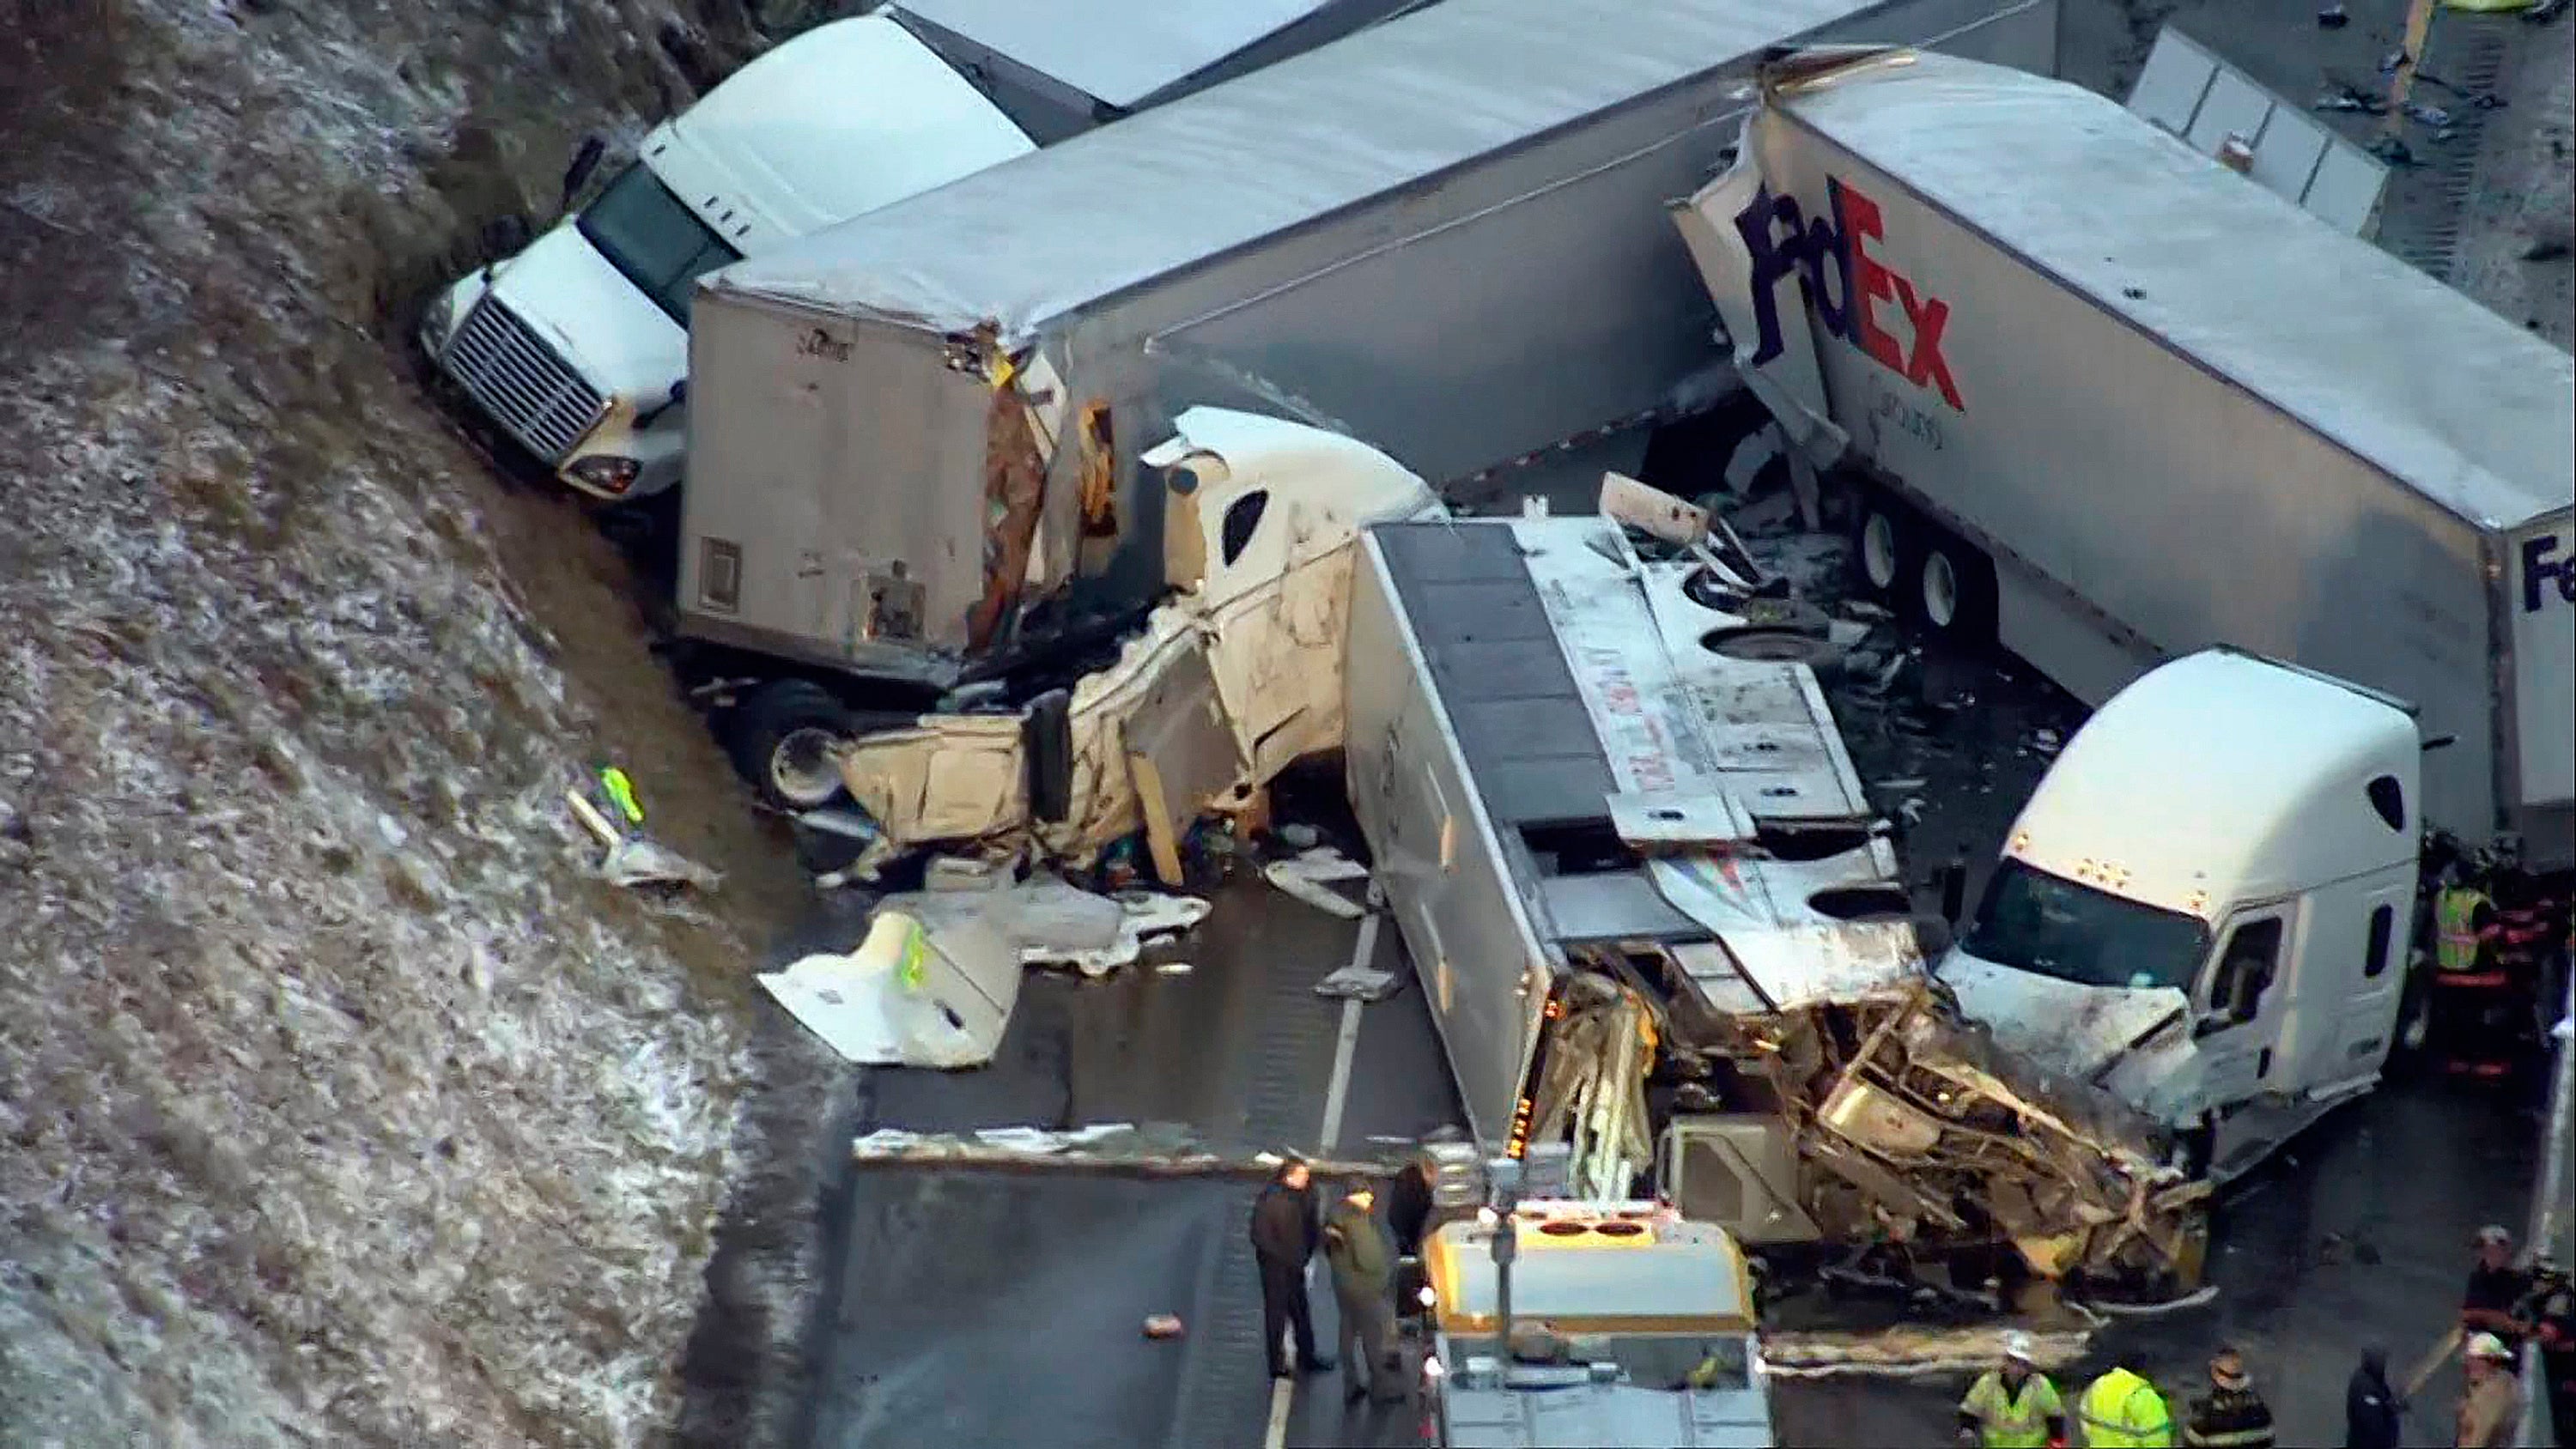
point(1119, 51)
point(1035, 237)
point(2398, 369)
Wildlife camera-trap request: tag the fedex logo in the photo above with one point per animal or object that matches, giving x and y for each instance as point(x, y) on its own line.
point(1781, 240)
point(2542, 566)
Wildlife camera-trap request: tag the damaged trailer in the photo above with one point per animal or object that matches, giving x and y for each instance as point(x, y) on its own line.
point(915, 439)
point(2107, 403)
point(1657, 922)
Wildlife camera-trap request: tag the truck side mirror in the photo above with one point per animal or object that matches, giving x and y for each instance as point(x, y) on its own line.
point(585, 160)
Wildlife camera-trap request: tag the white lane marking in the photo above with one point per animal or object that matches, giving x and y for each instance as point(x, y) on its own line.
point(1283, 1392)
point(1363, 953)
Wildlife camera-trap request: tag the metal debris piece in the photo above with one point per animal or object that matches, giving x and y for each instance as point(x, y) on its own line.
point(1163, 1325)
point(1358, 983)
point(1142, 916)
point(1309, 876)
point(637, 861)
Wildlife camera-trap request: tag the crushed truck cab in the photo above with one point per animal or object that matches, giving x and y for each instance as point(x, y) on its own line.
point(1630, 1326)
point(1239, 674)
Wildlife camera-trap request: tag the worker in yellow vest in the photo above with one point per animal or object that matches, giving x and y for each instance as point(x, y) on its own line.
point(2121, 1410)
point(2459, 933)
point(2013, 1406)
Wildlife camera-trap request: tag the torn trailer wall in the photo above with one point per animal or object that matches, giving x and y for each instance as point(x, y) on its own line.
point(1405, 235)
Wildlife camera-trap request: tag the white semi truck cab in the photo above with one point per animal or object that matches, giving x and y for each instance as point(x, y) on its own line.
point(1628, 1326)
point(577, 346)
point(2207, 904)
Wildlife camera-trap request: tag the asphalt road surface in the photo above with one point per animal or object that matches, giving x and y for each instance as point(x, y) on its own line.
point(1006, 1308)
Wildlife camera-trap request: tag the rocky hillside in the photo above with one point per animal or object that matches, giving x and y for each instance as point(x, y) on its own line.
point(339, 1105)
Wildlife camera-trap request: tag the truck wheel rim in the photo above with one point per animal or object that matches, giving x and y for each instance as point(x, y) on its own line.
point(1940, 590)
point(801, 768)
point(1878, 550)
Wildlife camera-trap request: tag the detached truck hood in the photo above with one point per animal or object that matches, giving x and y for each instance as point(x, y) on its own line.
point(2132, 1042)
point(596, 321)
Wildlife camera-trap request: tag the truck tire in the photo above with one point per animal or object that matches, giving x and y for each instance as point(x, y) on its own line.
point(1954, 594)
point(780, 739)
point(1883, 546)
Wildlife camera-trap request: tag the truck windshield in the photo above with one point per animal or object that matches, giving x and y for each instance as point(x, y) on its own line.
point(653, 240)
point(2033, 921)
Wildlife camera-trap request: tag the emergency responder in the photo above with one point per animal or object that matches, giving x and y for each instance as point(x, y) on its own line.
point(2551, 1312)
point(2233, 1416)
point(2496, 1289)
point(2373, 1413)
point(2121, 1410)
point(1284, 1235)
point(2013, 1406)
point(1363, 1262)
point(2488, 1405)
point(2469, 988)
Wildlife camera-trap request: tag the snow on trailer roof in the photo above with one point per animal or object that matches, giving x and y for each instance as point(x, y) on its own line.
point(1099, 213)
point(2395, 367)
point(1119, 51)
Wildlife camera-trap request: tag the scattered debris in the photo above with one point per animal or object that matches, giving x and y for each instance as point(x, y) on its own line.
point(1163, 1325)
point(1172, 968)
point(631, 859)
point(1135, 917)
point(636, 861)
point(2545, 249)
point(1907, 782)
point(910, 995)
point(2333, 17)
point(2423, 114)
point(1911, 1352)
point(1309, 875)
point(1297, 835)
point(1359, 983)
point(2047, 741)
point(1867, 612)
point(2393, 151)
point(1150, 1150)
point(2348, 97)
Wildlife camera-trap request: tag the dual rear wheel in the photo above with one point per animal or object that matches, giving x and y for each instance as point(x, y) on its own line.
point(1923, 570)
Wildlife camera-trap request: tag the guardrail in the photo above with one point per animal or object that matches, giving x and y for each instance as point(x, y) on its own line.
point(2553, 1214)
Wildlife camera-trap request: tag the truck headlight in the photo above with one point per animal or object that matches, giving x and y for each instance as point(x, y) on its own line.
point(606, 472)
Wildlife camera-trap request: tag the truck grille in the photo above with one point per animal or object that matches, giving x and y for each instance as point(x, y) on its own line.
point(517, 379)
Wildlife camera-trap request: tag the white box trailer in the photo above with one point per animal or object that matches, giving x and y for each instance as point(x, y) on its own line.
point(577, 346)
point(2117, 404)
point(1440, 235)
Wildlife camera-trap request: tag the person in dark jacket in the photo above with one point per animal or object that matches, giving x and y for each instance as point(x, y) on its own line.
point(1363, 1262)
point(2552, 1313)
point(2496, 1290)
point(2372, 1411)
point(2233, 1416)
point(1408, 1205)
point(1284, 1237)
